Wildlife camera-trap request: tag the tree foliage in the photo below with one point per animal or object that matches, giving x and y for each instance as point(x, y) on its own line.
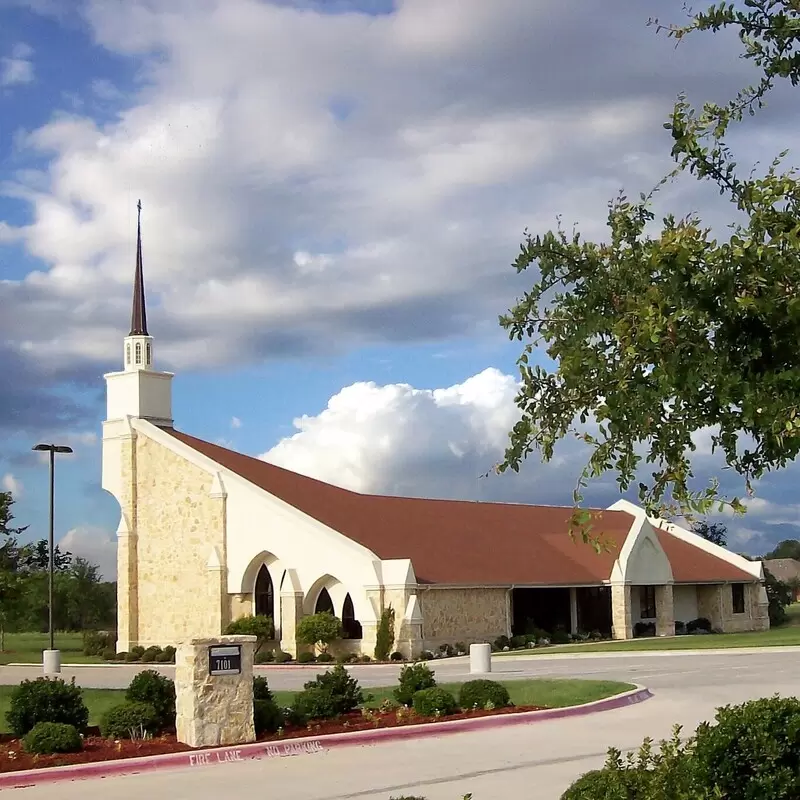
point(657, 335)
point(788, 548)
point(714, 532)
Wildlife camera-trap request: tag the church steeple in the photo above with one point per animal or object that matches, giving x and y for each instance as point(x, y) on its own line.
point(138, 343)
point(139, 310)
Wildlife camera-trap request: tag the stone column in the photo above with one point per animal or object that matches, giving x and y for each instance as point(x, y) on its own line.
point(408, 629)
point(621, 621)
point(665, 611)
point(709, 605)
point(573, 610)
point(291, 614)
point(215, 709)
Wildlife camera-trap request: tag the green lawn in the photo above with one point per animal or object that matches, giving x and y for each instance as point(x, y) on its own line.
point(26, 648)
point(548, 693)
point(785, 636)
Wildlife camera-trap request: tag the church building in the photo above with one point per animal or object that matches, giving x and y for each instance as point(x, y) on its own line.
point(207, 535)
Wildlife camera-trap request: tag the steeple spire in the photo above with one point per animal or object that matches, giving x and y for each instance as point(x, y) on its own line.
point(138, 312)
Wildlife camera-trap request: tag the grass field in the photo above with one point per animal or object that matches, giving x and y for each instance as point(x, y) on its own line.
point(549, 693)
point(787, 635)
point(26, 648)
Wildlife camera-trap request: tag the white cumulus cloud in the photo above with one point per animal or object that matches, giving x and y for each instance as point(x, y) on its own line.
point(12, 484)
point(17, 68)
point(398, 439)
point(96, 545)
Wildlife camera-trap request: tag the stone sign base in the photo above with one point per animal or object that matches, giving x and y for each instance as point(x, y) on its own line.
point(214, 695)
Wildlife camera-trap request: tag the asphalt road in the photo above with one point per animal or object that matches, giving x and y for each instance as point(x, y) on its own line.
point(539, 760)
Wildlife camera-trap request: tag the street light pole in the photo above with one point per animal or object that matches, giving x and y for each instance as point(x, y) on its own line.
point(52, 661)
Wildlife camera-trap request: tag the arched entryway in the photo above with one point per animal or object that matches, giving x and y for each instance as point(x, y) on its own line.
point(324, 603)
point(264, 593)
point(350, 625)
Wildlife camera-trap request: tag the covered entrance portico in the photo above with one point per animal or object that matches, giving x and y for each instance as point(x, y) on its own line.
point(581, 609)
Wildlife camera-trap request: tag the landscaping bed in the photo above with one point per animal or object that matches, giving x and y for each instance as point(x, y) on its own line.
point(96, 748)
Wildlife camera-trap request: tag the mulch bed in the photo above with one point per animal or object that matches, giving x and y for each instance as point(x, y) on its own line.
point(95, 748)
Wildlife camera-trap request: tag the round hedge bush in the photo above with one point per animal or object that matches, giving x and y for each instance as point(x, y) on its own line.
point(598, 783)
point(46, 700)
point(267, 716)
point(153, 689)
point(434, 702)
point(46, 738)
point(261, 689)
point(306, 658)
point(129, 720)
point(483, 694)
point(324, 658)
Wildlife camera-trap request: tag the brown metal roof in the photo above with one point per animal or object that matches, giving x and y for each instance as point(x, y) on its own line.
point(690, 564)
point(458, 542)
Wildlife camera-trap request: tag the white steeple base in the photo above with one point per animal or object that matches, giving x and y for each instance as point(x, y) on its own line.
point(141, 393)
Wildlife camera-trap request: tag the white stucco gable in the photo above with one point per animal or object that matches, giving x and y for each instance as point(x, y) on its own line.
point(754, 568)
point(642, 560)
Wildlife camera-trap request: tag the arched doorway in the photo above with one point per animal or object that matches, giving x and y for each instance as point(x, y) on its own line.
point(350, 625)
point(264, 594)
point(324, 603)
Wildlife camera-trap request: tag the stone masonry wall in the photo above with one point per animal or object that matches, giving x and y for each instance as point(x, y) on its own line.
point(178, 524)
point(462, 615)
point(715, 603)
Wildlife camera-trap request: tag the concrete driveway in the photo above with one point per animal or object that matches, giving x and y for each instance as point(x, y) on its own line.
point(539, 760)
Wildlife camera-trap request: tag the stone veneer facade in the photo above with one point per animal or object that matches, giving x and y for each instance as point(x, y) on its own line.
point(463, 615)
point(168, 590)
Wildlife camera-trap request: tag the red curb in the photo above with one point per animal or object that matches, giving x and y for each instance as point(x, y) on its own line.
point(306, 745)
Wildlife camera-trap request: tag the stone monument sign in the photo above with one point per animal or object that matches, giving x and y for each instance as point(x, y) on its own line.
point(214, 691)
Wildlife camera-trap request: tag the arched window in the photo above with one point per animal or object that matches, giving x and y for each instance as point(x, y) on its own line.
point(264, 595)
point(351, 626)
point(138, 352)
point(324, 603)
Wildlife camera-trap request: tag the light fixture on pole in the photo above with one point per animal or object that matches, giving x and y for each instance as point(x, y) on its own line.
point(51, 658)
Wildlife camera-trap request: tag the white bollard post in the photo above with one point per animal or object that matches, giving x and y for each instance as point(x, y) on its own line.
point(51, 662)
point(480, 658)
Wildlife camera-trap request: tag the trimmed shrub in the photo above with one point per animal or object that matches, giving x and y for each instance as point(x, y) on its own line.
point(483, 694)
point(151, 654)
point(258, 625)
point(165, 658)
point(122, 655)
point(434, 702)
point(753, 750)
point(518, 642)
point(261, 689)
point(46, 700)
point(644, 629)
point(306, 658)
point(324, 658)
point(329, 695)
point(385, 636)
point(132, 657)
point(346, 658)
point(413, 678)
point(319, 630)
point(267, 716)
point(109, 654)
point(365, 659)
point(46, 738)
point(560, 637)
point(95, 642)
point(699, 624)
point(680, 628)
point(396, 656)
point(152, 689)
point(426, 655)
point(501, 642)
point(129, 721)
point(461, 648)
point(265, 657)
point(138, 651)
point(281, 657)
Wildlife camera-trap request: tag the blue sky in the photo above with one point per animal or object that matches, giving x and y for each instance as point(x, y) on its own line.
point(333, 195)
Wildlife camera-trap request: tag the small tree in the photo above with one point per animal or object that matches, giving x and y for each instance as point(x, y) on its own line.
point(384, 640)
point(258, 625)
point(319, 630)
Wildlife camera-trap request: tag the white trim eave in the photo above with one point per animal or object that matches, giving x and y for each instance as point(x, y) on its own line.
point(213, 468)
point(754, 568)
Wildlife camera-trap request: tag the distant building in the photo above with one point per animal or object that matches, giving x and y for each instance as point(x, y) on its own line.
point(207, 535)
point(786, 570)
